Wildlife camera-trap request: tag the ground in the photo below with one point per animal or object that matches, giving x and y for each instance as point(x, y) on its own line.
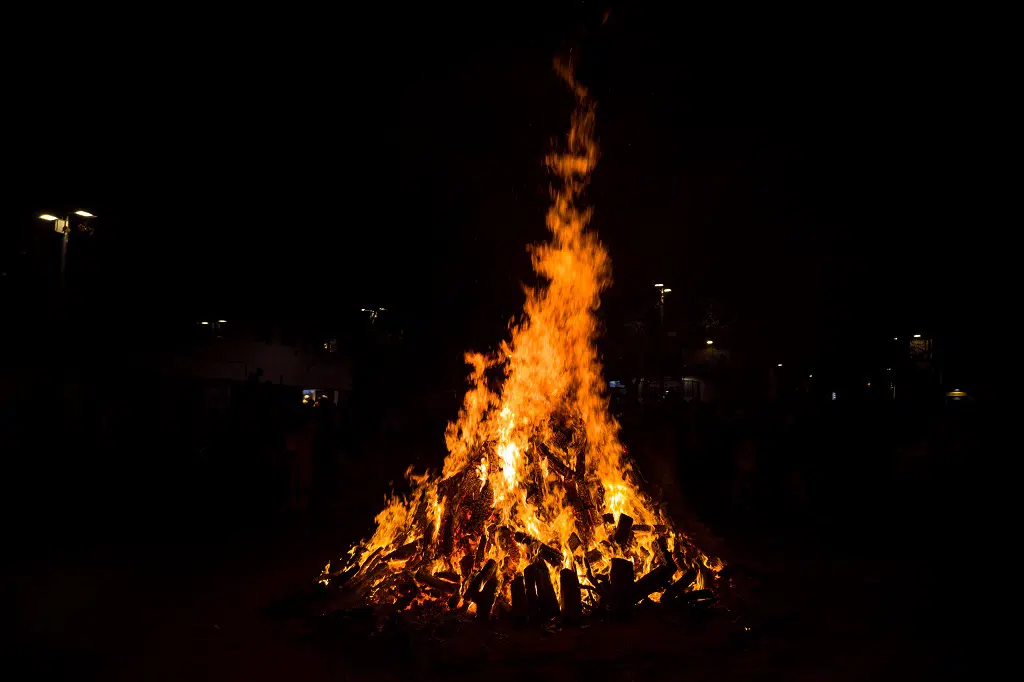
point(196, 610)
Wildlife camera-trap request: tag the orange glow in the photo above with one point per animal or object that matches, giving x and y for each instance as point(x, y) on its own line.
point(534, 459)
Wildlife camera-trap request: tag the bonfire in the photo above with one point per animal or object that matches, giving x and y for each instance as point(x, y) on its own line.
point(537, 512)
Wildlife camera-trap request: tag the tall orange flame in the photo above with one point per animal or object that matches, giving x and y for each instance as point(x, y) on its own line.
point(535, 467)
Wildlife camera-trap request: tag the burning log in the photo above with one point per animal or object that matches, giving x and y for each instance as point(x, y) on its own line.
point(624, 530)
point(433, 582)
point(655, 581)
point(450, 576)
point(550, 555)
point(547, 601)
point(520, 606)
point(608, 518)
point(678, 587)
point(574, 542)
point(403, 552)
point(532, 600)
point(486, 599)
point(572, 600)
point(593, 556)
point(482, 576)
point(641, 528)
point(341, 577)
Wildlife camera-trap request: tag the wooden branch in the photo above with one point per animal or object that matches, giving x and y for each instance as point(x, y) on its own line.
point(486, 599)
point(547, 600)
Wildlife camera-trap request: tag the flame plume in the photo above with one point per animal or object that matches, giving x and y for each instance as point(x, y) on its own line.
point(534, 468)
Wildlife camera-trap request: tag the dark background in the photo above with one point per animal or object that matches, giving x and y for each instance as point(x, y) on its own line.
point(819, 176)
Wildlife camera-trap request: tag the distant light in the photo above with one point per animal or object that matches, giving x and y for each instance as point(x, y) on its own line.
point(47, 216)
point(362, 310)
point(869, 384)
point(659, 285)
point(709, 342)
point(204, 323)
point(888, 369)
point(917, 336)
point(780, 364)
point(833, 395)
point(222, 321)
point(668, 291)
point(810, 376)
point(84, 214)
point(895, 338)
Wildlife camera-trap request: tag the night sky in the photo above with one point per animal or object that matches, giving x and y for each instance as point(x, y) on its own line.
point(808, 175)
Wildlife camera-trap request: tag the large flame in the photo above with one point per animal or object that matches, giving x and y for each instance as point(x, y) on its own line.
point(534, 465)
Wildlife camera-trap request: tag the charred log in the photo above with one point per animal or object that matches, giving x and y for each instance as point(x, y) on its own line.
point(547, 600)
point(485, 599)
point(435, 583)
point(574, 542)
point(624, 530)
point(608, 518)
point(403, 552)
point(520, 607)
point(697, 596)
point(530, 585)
point(572, 600)
point(593, 556)
point(622, 575)
point(680, 586)
point(485, 574)
point(655, 581)
point(450, 576)
point(551, 555)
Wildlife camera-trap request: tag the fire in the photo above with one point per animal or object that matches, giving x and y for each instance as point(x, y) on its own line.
point(535, 468)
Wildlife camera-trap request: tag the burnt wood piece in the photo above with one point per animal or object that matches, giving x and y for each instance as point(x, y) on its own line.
point(530, 584)
point(678, 587)
point(451, 576)
point(622, 575)
point(403, 602)
point(593, 555)
point(520, 608)
point(660, 528)
point(482, 576)
point(641, 528)
point(608, 518)
point(695, 596)
point(485, 599)
point(556, 464)
point(435, 583)
point(551, 555)
point(663, 553)
point(371, 560)
point(547, 600)
point(466, 566)
point(574, 542)
point(572, 600)
point(655, 581)
point(581, 462)
point(522, 538)
point(403, 552)
point(481, 551)
point(341, 578)
point(624, 530)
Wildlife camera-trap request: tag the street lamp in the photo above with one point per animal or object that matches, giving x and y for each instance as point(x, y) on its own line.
point(62, 226)
point(662, 290)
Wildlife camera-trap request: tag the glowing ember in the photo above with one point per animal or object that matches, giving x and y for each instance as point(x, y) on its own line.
point(535, 474)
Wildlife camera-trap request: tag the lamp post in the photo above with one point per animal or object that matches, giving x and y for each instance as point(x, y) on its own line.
point(662, 290)
point(62, 226)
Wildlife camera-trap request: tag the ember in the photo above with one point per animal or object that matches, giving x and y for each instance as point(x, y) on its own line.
point(536, 511)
